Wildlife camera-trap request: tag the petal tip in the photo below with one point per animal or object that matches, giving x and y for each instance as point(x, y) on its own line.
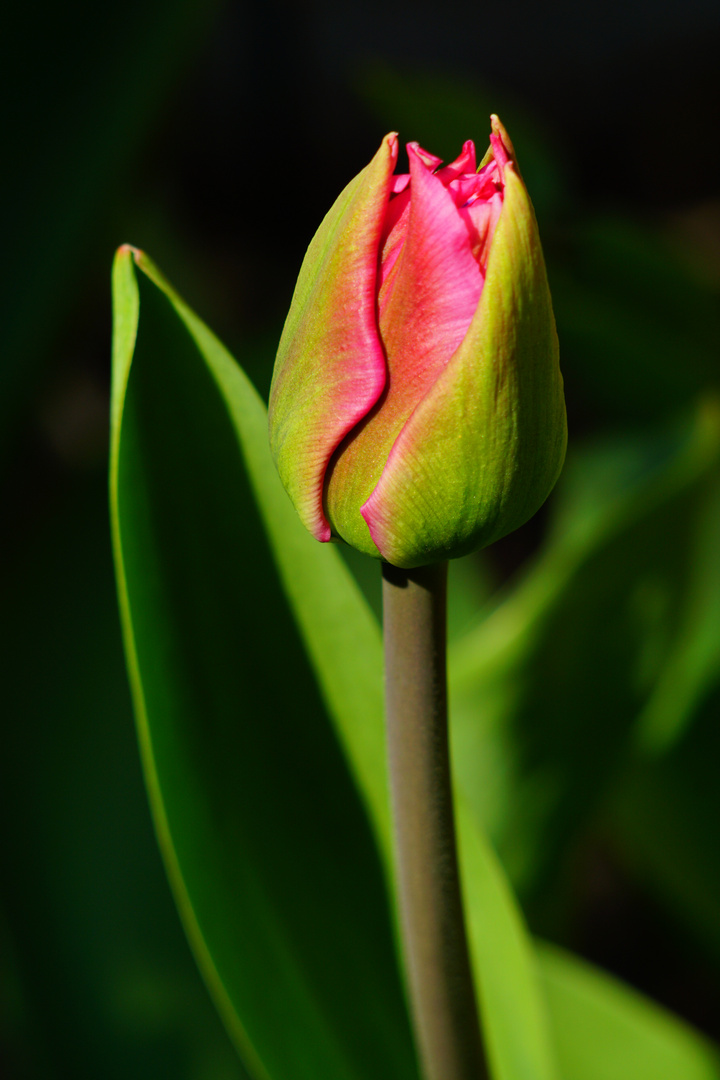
point(416, 153)
point(391, 141)
point(500, 132)
point(366, 511)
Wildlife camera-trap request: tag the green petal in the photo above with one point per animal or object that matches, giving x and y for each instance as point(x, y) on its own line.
point(484, 448)
point(330, 367)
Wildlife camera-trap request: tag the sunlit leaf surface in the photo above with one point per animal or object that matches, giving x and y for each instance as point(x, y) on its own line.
point(605, 1031)
point(273, 866)
point(264, 837)
point(605, 646)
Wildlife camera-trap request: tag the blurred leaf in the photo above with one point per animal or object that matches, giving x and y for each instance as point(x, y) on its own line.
point(263, 835)
point(335, 621)
point(215, 821)
point(606, 1031)
point(639, 331)
point(512, 1004)
point(667, 816)
point(692, 666)
point(546, 691)
point(100, 980)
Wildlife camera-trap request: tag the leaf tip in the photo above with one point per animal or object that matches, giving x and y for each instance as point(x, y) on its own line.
point(129, 249)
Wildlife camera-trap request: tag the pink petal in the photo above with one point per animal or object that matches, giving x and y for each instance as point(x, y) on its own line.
point(426, 308)
point(490, 172)
point(399, 183)
point(481, 217)
point(464, 188)
point(499, 152)
point(502, 393)
point(330, 368)
point(428, 159)
point(393, 234)
point(463, 163)
point(425, 305)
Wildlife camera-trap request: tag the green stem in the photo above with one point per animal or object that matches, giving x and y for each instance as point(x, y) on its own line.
point(442, 995)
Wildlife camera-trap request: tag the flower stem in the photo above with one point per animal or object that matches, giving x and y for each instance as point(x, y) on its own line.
point(442, 995)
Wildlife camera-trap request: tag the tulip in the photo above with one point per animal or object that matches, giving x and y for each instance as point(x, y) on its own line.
point(416, 409)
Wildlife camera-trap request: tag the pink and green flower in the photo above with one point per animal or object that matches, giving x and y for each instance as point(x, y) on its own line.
point(417, 409)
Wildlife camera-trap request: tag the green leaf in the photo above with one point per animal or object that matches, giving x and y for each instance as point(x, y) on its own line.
point(344, 643)
point(548, 689)
point(666, 814)
point(255, 844)
point(606, 1031)
point(512, 1004)
point(692, 667)
point(263, 834)
point(627, 306)
point(100, 980)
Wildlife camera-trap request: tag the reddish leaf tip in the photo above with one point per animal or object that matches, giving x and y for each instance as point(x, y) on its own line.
point(130, 250)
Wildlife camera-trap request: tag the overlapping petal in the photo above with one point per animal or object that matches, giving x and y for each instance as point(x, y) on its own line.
point(330, 367)
point(425, 306)
point(417, 407)
point(484, 447)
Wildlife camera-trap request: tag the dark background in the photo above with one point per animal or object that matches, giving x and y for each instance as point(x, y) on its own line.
point(214, 136)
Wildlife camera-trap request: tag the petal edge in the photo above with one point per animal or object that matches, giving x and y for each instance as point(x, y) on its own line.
point(327, 378)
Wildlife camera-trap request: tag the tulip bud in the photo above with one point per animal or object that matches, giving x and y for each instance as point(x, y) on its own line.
point(416, 408)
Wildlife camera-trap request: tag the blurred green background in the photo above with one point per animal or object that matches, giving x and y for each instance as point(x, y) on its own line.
point(214, 136)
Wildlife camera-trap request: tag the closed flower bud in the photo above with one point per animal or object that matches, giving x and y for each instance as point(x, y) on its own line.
point(416, 409)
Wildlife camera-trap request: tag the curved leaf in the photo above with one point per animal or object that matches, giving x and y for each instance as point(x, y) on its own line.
point(255, 858)
point(268, 850)
point(512, 1004)
point(606, 1031)
point(666, 814)
point(344, 644)
point(548, 691)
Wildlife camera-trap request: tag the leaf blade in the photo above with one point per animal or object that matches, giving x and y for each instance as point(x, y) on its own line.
point(606, 1031)
point(334, 617)
point(247, 814)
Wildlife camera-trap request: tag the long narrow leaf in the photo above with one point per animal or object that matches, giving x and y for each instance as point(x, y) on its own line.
point(344, 643)
point(246, 895)
point(605, 1031)
point(264, 837)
